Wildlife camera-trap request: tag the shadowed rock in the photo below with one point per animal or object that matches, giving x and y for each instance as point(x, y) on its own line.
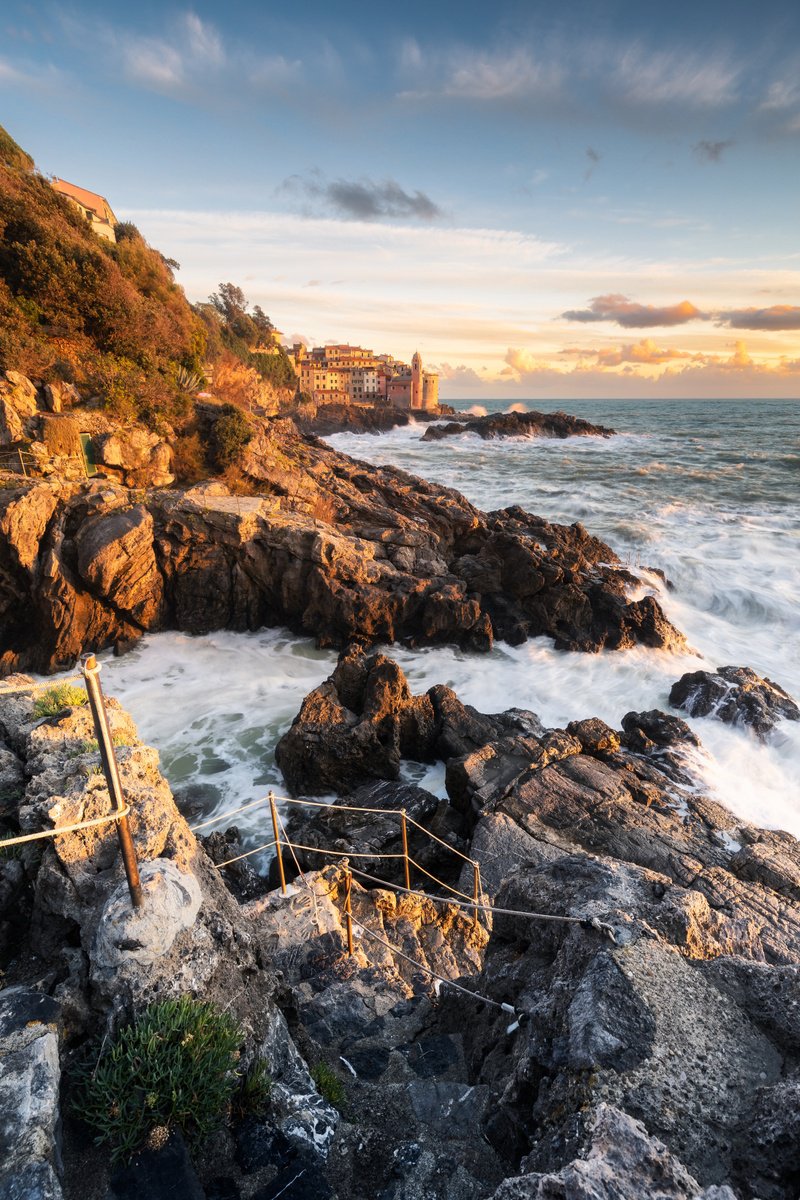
point(735, 695)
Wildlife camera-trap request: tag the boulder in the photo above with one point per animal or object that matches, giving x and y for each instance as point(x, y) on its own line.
point(735, 695)
point(30, 1154)
point(18, 408)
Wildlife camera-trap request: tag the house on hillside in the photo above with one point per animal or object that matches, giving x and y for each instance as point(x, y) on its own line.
point(96, 209)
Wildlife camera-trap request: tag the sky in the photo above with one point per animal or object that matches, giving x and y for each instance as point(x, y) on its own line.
point(591, 199)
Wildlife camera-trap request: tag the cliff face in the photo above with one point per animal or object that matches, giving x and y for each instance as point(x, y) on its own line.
point(332, 547)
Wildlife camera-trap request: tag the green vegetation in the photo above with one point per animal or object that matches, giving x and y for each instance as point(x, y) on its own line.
point(254, 1092)
point(230, 434)
point(329, 1085)
point(173, 1067)
point(57, 698)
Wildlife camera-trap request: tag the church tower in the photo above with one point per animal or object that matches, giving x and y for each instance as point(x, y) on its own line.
point(416, 381)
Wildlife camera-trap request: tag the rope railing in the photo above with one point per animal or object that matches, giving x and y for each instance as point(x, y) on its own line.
point(60, 830)
point(408, 861)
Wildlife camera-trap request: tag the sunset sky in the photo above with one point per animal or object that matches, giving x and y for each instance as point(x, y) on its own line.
point(591, 199)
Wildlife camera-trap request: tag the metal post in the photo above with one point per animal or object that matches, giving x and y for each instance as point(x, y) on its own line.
point(91, 674)
point(276, 832)
point(348, 912)
point(22, 463)
point(476, 887)
point(404, 831)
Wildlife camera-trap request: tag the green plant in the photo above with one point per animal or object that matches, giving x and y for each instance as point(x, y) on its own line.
point(230, 434)
point(255, 1090)
point(329, 1085)
point(55, 699)
point(174, 1067)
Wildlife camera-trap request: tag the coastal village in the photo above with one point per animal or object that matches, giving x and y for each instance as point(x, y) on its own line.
point(330, 374)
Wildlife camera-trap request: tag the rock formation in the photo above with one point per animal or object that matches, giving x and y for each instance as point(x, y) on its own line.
point(331, 548)
point(518, 424)
point(735, 695)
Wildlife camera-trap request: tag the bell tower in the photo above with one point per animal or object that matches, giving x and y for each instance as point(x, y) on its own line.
point(416, 381)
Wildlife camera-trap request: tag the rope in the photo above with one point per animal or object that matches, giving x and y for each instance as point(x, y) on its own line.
point(345, 853)
point(230, 813)
point(247, 853)
point(392, 812)
point(5, 690)
point(62, 829)
point(440, 882)
point(585, 922)
point(446, 845)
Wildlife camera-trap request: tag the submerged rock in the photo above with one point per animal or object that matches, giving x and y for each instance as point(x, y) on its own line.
point(735, 695)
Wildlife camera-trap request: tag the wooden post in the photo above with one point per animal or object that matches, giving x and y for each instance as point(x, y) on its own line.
point(348, 912)
point(476, 888)
point(91, 672)
point(404, 831)
point(273, 810)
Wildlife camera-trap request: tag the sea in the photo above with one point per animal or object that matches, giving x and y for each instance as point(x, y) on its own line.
point(706, 491)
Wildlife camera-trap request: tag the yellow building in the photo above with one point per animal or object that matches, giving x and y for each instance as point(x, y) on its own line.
point(95, 208)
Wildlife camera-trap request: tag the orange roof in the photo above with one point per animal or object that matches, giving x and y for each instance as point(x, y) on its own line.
point(90, 200)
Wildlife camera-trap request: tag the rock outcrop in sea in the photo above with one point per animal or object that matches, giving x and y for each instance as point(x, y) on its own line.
point(518, 424)
point(737, 696)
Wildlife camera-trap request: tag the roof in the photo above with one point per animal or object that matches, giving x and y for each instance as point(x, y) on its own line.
point(91, 200)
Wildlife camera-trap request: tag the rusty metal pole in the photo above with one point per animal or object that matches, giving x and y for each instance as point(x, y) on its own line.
point(22, 463)
point(348, 912)
point(273, 810)
point(476, 888)
point(91, 675)
point(404, 831)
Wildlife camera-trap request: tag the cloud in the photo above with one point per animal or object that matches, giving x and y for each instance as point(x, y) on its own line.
point(674, 78)
point(594, 158)
point(712, 151)
point(645, 353)
point(631, 315)
point(30, 76)
point(188, 59)
point(781, 94)
point(777, 317)
point(363, 199)
point(480, 75)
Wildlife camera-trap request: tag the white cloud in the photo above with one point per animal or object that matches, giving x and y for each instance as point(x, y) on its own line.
point(674, 78)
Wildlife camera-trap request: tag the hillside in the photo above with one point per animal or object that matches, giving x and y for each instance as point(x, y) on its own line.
point(110, 318)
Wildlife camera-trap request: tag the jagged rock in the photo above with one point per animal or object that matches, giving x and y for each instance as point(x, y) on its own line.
point(735, 695)
point(18, 408)
point(161, 1173)
point(621, 1162)
point(301, 1114)
point(30, 1156)
point(518, 424)
point(59, 395)
point(334, 549)
point(116, 560)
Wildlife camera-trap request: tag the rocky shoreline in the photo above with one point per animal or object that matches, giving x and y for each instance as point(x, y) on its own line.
point(518, 424)
point(328, 546)
point(646, 947)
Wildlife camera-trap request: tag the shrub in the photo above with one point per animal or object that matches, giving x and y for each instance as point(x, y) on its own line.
point(57, 698)
point(229, 436)
point(173, 1067)
point(188, 457)
point(254, 1091)
point(329, 1085)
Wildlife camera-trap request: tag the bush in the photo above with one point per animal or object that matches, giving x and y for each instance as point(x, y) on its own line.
point(173, 1067)
point(57, 698)
point(189, 458)
point(329, 1085)
point(230, 434)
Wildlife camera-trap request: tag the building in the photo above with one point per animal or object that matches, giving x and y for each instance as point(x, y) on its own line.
point(346, 374)
point(96, 209)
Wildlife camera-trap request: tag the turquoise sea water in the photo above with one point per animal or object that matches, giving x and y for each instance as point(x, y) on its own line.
point(707, 491)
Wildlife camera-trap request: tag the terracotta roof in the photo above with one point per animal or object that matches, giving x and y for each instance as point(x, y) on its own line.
point(90, 200)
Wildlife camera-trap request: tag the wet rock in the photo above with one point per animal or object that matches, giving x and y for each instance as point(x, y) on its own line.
point(332, 549)
point(518, 424)
point(735, 695)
